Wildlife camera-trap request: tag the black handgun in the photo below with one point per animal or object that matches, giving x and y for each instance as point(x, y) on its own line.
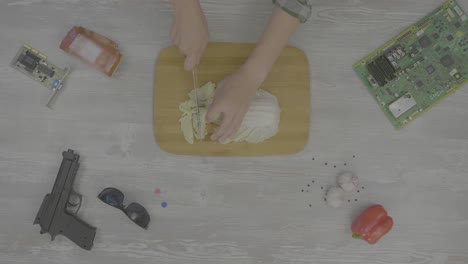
point(55, 217)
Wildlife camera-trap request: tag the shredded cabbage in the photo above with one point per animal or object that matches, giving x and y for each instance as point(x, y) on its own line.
point(260, 123)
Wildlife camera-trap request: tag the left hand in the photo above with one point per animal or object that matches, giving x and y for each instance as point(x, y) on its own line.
point(232, 99)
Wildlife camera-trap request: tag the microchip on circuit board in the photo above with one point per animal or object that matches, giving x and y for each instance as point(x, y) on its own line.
point(425, 42)
point(430, 69)
point(447, 61)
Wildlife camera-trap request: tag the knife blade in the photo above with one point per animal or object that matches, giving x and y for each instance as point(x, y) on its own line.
point(195, 87)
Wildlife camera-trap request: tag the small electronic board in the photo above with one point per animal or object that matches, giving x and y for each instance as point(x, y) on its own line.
point(35, 65)
point(421, 66)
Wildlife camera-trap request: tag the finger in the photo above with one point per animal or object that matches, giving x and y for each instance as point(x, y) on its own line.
point(225, 125)
point(190, 62)
point(214, 109)
point(237, 122)
point(230, 131)
point(235, 128)
point(196, 60)
point(182, 44)
point(213, 112)
point(219, 85)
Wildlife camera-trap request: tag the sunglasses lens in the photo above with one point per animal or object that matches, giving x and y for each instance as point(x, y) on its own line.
point(138, 214)
point(112, 196)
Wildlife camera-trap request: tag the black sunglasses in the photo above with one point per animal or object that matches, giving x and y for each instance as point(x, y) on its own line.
point(134, 211)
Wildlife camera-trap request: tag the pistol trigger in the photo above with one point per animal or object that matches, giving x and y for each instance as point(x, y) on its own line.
point(76, 201)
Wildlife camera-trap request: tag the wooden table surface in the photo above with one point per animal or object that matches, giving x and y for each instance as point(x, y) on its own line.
point(226, 210)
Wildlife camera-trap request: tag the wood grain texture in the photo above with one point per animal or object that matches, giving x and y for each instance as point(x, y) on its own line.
point(226, 210)
point(288, 81)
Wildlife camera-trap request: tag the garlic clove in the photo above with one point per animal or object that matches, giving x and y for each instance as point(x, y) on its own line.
point(335, 197)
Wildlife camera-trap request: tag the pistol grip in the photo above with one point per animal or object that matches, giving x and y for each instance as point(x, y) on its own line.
point(77, 231)
point(42, 218)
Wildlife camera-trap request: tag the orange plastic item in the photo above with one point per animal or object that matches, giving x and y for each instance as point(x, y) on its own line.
point(92, 48)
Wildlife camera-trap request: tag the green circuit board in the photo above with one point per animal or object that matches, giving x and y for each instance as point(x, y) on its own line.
point(421, 66)
point(36, 66)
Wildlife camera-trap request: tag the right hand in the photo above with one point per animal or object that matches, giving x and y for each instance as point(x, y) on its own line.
point(189, 31)
point(232, 100)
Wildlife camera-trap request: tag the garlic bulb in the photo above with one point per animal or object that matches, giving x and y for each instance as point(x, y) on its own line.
point(347, 181)
point(335, 197)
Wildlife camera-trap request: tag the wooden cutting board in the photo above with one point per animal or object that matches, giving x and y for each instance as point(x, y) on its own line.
point(288, 80)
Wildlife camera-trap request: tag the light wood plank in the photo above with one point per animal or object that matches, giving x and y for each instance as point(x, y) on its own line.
point(226, 210)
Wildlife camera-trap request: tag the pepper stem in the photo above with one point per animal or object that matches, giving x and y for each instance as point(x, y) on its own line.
point(357, 236)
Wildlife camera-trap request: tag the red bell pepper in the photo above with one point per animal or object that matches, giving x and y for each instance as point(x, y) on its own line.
point(372, 224)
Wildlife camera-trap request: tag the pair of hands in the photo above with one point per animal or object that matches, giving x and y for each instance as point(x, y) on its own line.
point(233, 94)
